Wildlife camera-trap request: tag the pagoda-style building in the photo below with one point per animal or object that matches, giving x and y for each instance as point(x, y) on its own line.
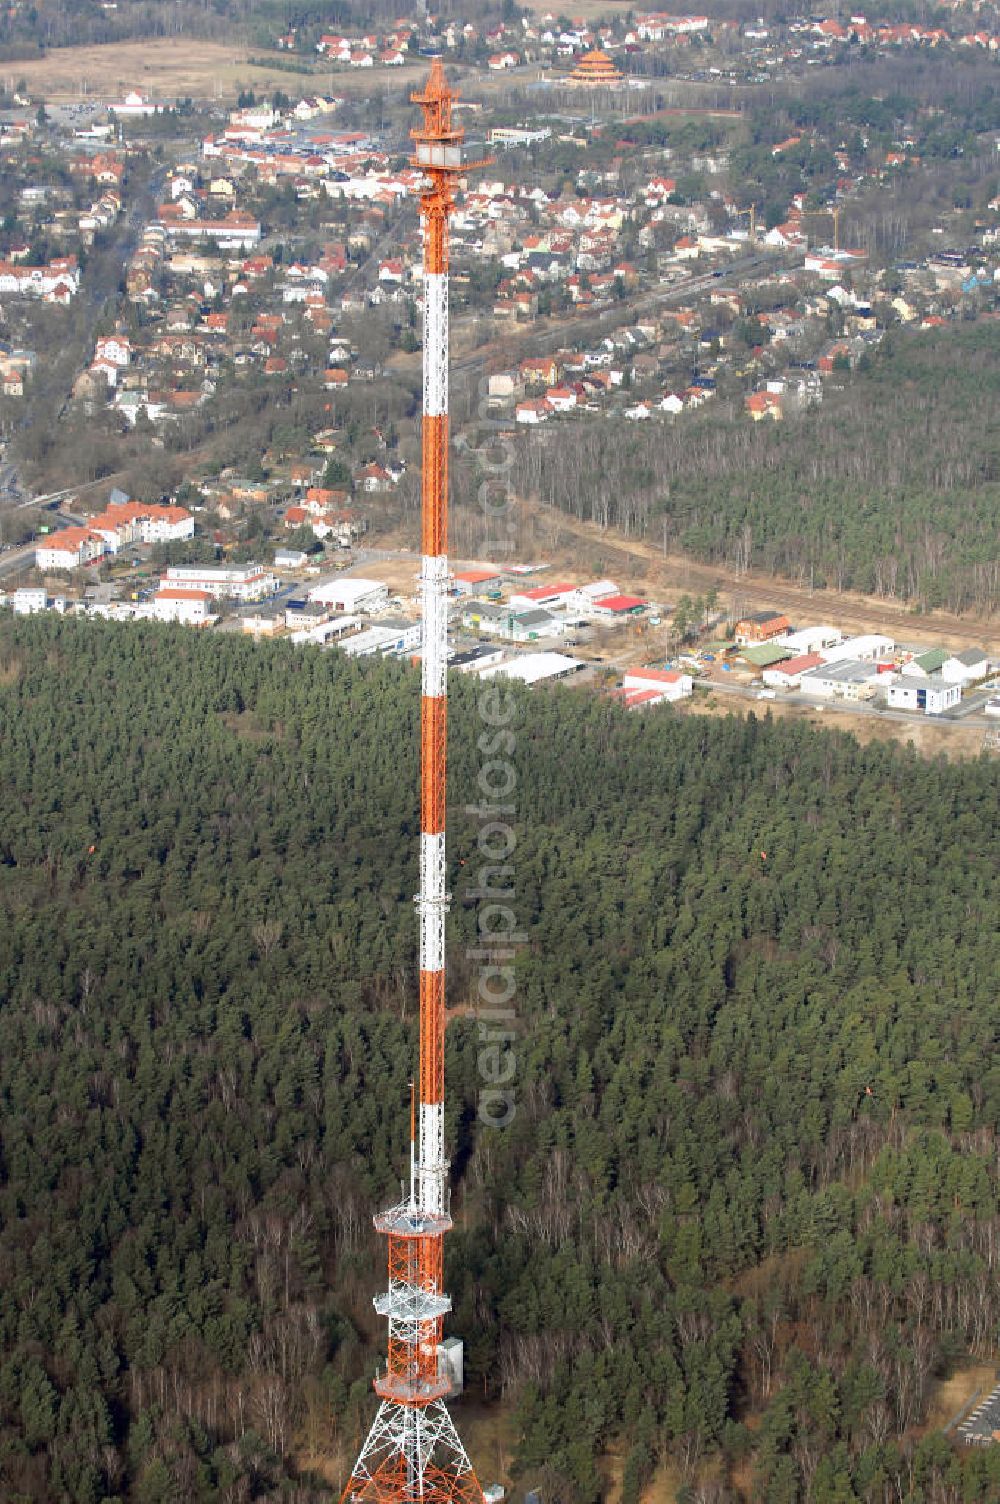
point(595, 70)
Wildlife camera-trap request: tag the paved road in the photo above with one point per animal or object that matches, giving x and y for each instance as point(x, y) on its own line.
point(110, 262)
point(982, 1424)
point(837, 707)
point(9, 485)
point(18, 561)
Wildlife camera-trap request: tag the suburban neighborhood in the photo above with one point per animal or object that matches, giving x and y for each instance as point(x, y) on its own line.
point(225, 297)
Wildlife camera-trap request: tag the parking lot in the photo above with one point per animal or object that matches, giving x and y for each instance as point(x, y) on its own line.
point(982, 1425)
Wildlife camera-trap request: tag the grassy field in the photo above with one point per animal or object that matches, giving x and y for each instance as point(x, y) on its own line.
point(179, 68)
point(582, 10)
point(956, 1393)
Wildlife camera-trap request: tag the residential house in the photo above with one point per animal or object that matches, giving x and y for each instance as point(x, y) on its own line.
point(760, 626)
point(532, 410)
point(764, 405)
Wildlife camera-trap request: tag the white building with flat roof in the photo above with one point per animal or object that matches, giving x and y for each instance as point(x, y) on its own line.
point(585, 597)
point(352, 594)
point(386, 638)
point(932, 695)
point(249, 582)
point(326, 631)
point(810, 639)
point(483, 655)
point(864, 649)
point(29, 602)
point(532, 668)
point(850, 680)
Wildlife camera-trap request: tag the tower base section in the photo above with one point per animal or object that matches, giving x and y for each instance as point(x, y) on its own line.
point(413, 1455)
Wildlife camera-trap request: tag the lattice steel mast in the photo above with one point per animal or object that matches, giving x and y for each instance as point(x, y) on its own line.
point(413, 1452)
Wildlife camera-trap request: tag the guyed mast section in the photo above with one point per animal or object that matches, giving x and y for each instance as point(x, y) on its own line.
point(413, 1451)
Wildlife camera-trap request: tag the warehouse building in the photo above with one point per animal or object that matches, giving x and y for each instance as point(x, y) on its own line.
point(351, 594)
point(534, 668)
point(931, 694)
point(852, 680)
point(661, 683)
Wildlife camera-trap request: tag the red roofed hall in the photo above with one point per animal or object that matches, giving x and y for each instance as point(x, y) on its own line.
point(477, 581)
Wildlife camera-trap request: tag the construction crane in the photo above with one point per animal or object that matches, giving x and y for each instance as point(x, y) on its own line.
point(413, 1454)
point(751, 214)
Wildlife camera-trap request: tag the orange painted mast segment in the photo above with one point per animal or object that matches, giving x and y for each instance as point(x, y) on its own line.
point(413, 1454)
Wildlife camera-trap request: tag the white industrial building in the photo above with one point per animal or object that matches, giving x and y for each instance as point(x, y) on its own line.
point(528, 626)
point(586, 596)
point(966, 667)
point(251, 582)
point(477, 582)
point(326, 631)
point(28, 601)
point(547, 597)
point(290, 558)
point(863, 649)
point(176, 603)
point(483, 655)
point(385, 638)
point(300, 615)
point(351, 594)
point(665, 683)
point(932, 695)
point(851, 680)
point(810, 639)
point(532, 668)
point(789, 672)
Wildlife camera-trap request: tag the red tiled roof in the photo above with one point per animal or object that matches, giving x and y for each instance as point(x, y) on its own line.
point(544, 592)
point(621, 602)
point(798, 665)
point(656, 675)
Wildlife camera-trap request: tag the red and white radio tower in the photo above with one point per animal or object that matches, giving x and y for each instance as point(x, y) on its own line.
point(413, 1454)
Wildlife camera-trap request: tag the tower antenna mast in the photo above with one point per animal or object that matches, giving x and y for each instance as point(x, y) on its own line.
point(413, 1454)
